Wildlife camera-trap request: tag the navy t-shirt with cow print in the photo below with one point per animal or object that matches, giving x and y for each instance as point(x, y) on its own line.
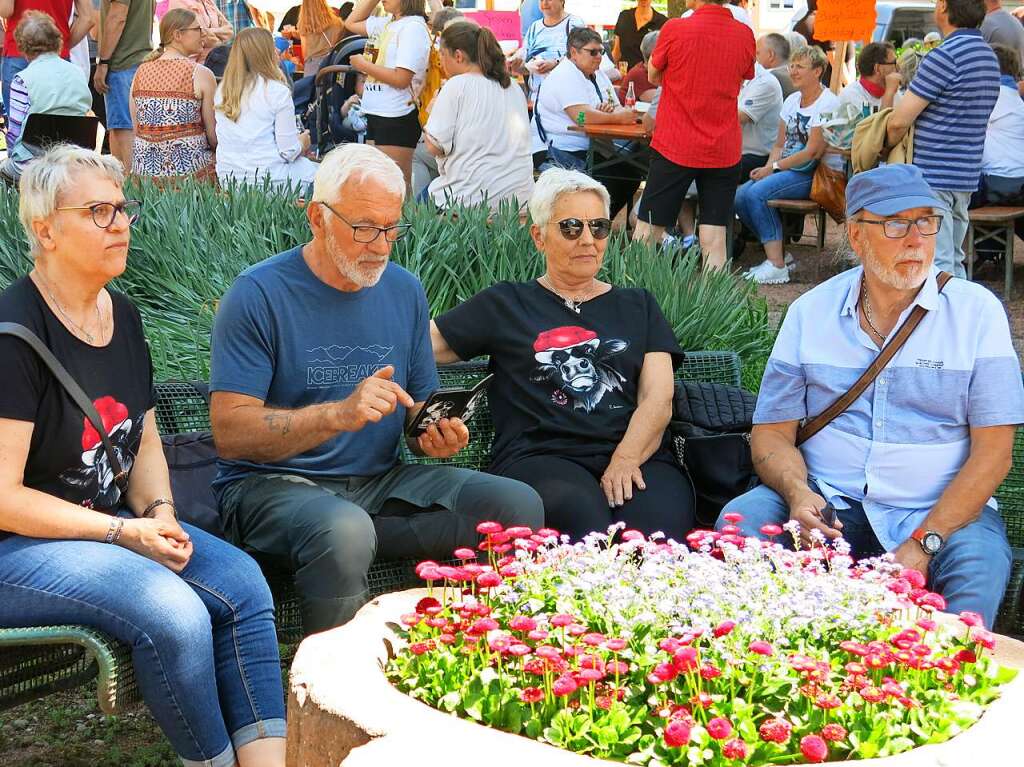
point(66, 457)
point(565, 383)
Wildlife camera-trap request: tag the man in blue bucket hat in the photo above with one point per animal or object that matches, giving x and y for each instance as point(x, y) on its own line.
point(909, 467)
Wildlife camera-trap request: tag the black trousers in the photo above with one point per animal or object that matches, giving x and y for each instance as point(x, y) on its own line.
point(575, 504)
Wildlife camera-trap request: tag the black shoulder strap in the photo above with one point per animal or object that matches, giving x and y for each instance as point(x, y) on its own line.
point(74, 390)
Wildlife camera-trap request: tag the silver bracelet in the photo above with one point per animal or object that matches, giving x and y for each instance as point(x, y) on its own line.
point(114, 531)
point(151, 509)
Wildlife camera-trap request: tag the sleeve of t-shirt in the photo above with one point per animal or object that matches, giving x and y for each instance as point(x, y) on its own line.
point(375, 25)
point(467, 327)
point(933, 75)
point(565, 91)
point(444, 113)
point(661, 49)
point(995, 395)
point(782, 396)
point(423, 379)
point(413, 48)
point(622, 24)
point(660, 336)
point(758, 99)
point(242, 345)
point(23, 381)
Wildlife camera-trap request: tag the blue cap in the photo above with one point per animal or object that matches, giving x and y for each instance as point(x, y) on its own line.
point(889, 189)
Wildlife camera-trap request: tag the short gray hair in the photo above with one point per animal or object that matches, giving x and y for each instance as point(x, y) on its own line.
point(555, 183)
point(647, 44)
point(795, 40)
point(355, 162)
point(441, 18)
point(779, 45)
point(50, 176)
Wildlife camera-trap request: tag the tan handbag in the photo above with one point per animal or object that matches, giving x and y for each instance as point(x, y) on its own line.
point(828, 187)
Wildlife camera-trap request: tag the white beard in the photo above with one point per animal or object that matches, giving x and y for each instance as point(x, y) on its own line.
point(364, 277)
point(890, 276)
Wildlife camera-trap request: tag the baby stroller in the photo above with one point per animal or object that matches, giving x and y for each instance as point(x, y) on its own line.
point(334, 83)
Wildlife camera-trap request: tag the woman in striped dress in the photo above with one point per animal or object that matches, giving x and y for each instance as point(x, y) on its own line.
point(172, 105)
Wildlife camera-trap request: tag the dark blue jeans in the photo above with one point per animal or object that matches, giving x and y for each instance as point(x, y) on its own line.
point(971, 571)
point(203, 642)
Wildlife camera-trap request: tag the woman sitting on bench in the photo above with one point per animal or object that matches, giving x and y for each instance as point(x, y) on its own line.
point(583, 384)
point(88, 529)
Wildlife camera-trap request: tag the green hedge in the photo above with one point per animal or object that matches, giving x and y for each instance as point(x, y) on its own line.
point(190, 244)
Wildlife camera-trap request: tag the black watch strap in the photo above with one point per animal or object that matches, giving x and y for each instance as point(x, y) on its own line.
point(102, 61)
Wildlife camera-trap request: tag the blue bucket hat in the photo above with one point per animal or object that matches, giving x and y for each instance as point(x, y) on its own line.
point(889, 189)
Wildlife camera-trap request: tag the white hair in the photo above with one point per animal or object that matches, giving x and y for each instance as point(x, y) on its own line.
point(356, 162)
point(557, 182)
point(48, 177)
point(795, 40)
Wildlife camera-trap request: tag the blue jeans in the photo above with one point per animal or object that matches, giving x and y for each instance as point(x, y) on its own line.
point(971, 571)
point(10, 67)
point(118, 96)
point(949, 242)
point(753, 196)
point(203, 642)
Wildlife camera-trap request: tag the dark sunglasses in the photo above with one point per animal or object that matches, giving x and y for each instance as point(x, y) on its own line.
point(595, 52)
point(572, 228)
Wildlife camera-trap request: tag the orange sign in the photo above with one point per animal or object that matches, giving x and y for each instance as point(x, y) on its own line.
point(844, 20)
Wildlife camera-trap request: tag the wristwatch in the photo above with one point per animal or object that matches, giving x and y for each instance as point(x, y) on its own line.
point(931, 542)
point(102, 62)
point(775, 167)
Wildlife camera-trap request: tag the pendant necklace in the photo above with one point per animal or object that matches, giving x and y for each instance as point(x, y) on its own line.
point(574, 304)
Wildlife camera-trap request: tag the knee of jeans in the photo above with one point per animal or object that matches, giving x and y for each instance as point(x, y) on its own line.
point(758, 507)
point(344, 542)
point(173, 617)
point(246, 585)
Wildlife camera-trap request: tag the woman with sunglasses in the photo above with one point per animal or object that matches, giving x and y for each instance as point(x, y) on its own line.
point(79, 545)
point(583, 369)
point(172, 105)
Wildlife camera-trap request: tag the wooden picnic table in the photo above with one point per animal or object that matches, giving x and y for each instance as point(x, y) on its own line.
point(615, 135)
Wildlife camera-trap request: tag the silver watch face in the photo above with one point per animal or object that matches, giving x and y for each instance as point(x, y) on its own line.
point(931, 543)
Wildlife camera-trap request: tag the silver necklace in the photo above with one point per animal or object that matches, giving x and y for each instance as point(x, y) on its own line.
point(575, 304)
point(89, 337)
point(867, 312)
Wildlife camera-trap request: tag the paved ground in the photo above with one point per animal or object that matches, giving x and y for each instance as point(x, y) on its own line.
point(812, 269)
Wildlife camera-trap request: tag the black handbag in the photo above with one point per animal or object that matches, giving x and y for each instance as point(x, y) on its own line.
point(192, 463)
point(710, 431)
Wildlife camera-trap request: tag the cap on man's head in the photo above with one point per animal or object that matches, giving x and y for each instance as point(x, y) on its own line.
point(888, 190)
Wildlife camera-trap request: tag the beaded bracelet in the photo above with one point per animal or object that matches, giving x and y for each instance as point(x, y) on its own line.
point(151, 509)
point(114, 531)
point(117, 533)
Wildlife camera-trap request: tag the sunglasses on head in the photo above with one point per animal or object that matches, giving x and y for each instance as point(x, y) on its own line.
point(572, 228)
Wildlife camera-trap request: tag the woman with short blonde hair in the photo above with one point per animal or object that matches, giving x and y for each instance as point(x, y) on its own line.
point(256, 134)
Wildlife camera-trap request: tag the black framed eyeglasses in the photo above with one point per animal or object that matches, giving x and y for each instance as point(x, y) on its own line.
point(572, 228)
point(103, 213)
point(897, 228)
point(367, 233)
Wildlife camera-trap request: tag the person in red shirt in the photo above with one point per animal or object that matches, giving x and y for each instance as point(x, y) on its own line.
point(700, 63)
point(60, 11)
point(642, 87)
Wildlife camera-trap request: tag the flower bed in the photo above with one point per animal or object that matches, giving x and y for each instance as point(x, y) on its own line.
point(721, 652)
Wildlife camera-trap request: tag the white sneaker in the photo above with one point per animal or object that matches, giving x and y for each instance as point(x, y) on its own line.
point(767, 273)
point(789, 261)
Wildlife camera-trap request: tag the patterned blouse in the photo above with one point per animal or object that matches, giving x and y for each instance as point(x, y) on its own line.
point(170, 139)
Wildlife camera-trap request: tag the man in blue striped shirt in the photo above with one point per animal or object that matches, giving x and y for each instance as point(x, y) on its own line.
point(948, 103)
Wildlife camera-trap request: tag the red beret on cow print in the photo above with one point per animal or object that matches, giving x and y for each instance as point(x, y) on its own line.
point(564, 337)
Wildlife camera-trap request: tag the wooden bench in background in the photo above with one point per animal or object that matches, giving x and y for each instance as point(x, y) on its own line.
point(994, 224)
point(805, 208)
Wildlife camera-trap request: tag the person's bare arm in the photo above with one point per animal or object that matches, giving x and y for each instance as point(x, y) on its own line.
point(35, 514)
point(396, 77)
point(645, 431)
point(244, 428)
point(356, 21)
point(110, 36)
point(592, 116)
point(653, 73)
point(6, 9)
point(206, 84)
point(433, 148)
point(82, 24)
point(987, 465)
point(780, 465)
point(616, 50)
point(744, 117)
point(443, 353)
point(903, 116)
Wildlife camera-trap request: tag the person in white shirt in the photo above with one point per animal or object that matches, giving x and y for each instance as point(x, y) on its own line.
point(479, 128)
point(879, 81)
point(738, 12)
point(256, 134)
point(1002, 163)
point(760, 104)
point(545, 43)
point(577, 86)
point(395, 77)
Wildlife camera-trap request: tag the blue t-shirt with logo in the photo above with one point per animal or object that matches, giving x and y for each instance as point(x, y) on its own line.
point(283, 336)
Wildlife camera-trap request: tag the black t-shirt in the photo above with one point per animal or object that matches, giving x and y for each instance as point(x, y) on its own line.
point(565, 383)
point(66, 457)
point(630, 37)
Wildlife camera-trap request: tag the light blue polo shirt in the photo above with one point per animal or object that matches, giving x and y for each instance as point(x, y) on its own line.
point(901, 442)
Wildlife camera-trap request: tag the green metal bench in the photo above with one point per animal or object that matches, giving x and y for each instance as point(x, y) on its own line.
point(37, 661)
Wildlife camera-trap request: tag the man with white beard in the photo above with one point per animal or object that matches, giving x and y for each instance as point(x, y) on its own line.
point(320, 357)
point(909, 467)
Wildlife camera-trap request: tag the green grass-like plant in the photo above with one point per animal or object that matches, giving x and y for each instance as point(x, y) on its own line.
point(190, 243)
